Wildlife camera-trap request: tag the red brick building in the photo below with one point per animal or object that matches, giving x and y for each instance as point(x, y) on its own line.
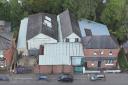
point(100, 52)
point(100, 48)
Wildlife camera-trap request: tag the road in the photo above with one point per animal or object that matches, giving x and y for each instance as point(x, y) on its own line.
point(111, 79)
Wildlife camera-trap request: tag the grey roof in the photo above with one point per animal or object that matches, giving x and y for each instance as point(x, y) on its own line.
point(36, 26)
point(5, 41)
point(5, 35)
point(5, 25)
point(99, 42)
point(69, 24)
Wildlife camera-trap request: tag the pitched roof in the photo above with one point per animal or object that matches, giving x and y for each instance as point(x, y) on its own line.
point(36, 25)
point(97, 29)
point(99, 42)
point(69, 24)
point(5, 43)
point(5, 35)
point(5, 26)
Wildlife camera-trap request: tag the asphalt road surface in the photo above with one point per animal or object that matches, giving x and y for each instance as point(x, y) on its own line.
point(111, 79)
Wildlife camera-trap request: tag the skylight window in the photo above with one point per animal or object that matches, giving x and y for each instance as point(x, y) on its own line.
point(48, 18)
point(47, 22)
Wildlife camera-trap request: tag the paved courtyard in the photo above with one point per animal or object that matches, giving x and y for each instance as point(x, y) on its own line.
point(112, 79)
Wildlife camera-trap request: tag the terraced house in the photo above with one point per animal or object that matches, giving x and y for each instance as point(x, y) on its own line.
point(100, 48)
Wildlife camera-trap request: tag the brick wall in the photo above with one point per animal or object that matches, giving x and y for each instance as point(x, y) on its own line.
point(53, 69)
point(90, 52)
point(93, 64)
point(8, 54)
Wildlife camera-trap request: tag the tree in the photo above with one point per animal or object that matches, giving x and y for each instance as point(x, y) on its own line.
point(82, 8)
point(16, 13)
point(4, 10)
point(122, 60)
point(112, 14)
point(47, 6)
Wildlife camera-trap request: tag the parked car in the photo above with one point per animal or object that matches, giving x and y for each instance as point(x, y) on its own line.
point(66, 78)
point(42, 77)
point(4, 78)
point(97, 77)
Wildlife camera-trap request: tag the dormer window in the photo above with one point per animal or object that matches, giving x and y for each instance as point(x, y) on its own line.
point(76, 40)
point(67, 40)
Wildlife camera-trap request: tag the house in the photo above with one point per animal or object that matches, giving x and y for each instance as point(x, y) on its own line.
point(37, 30)
point(69, 30)
point(100, 48)
point(6, 44)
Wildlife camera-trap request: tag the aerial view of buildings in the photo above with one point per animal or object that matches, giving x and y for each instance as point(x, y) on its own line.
point(82, 42)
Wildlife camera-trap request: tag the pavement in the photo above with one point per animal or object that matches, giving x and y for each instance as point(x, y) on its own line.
point(30, 79)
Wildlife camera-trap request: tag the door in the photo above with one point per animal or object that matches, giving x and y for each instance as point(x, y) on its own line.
point(99, 63)
point(85, 64)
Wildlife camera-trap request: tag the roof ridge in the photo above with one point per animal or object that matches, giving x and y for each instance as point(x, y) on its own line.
point(1, 35)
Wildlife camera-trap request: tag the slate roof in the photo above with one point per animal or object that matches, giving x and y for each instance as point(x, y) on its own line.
point(69, 24)
point(5, 35)
point(6, 25)
point(36, 26)
point(5, 43)
point(99, 42)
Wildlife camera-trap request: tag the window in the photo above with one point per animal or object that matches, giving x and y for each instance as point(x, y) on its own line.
point(76, 40)
point(1, 54)
point(67, 40)
point(110, 52)
point(95, 53)
point(102, 52)
point(47, 22)
point(109, 61)
point(48, 18)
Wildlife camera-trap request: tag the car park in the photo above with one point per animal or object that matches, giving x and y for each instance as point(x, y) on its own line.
point(66, 78)
point(97, 77)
